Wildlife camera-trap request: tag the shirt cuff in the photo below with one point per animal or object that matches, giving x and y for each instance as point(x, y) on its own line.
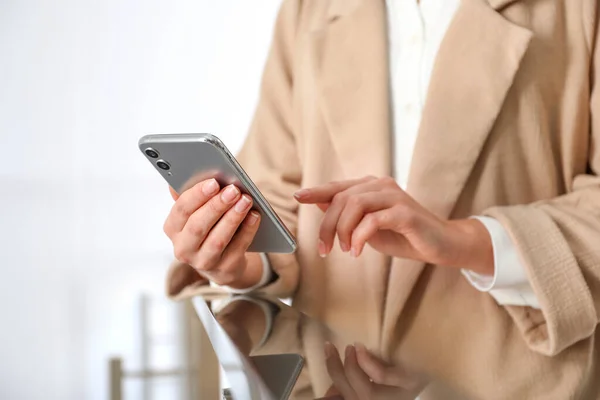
point(509, 285)
point(267, 276)
point(264, 306)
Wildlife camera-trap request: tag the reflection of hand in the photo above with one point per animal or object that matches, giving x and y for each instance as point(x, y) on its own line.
point(378, 212)
point(364, 377)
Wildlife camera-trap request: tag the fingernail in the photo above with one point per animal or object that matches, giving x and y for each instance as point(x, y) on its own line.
point(243, 204)
point(359, 346)
point(230, 194)
point(211, 187)
point(328, 349)
point(344, 246)
point(322, 248)
point(252, 218)
point(354, 252)
point(300, 194)
point(349, 350)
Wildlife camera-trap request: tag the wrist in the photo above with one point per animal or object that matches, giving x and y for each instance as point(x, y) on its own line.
point(252, 272)
point(473, 246)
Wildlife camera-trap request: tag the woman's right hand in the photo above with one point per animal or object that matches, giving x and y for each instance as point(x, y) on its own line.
point(362, 376)
point(211, 228)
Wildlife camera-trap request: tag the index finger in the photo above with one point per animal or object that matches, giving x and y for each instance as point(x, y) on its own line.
point(335, 368)
point(323, 194)
point(358, 379)
point(381, 373)
point(189, 201)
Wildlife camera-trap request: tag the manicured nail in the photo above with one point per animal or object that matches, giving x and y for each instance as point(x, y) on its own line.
point(344, 246)
point(354, 252)
point(211, 187)
point(300, 194)
point(322, 248)
point(349, 350)
point(328, 349)
point(230, 194)
point(243, 204)
point(252, 218)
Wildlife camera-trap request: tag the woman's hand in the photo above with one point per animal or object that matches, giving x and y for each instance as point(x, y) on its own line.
point(363, 376)
point(211, 228)
point(378, 212)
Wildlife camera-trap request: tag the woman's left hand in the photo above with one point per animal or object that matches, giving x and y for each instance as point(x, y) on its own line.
point(378, 212)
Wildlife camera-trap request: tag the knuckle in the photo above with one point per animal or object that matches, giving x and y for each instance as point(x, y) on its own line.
point(196, 229)
point(213, 248)
point(388, 181)
point(410, 220)
point(205, 261)
point(214, 205)
point(371, 220)
point(355, 202)
point(182, 209)
point(324, 231)
point(181, 255)
point(335, 199)
point(218, 245)
point(378, 376)
point(376, 373)
point(167, 228)
point(339, 198)
point(407, 216)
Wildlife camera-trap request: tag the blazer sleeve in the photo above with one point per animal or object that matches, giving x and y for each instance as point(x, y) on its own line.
point(269, 156)
point(559, 243)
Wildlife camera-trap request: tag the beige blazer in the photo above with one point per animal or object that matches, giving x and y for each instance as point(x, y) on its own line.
point(510, 129)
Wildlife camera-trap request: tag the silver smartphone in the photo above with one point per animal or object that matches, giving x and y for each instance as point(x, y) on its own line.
point(186, 159)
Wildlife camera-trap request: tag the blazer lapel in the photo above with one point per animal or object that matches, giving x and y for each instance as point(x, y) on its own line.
point(475, 67)
point(350, 62)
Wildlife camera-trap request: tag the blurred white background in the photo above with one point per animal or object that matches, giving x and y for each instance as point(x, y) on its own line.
point(81, 210)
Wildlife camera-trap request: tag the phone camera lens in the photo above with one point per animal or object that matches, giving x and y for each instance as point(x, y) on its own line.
point(163, 165)
point(151, 153)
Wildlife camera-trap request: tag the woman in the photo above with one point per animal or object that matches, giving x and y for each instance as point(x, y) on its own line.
point(392, 124)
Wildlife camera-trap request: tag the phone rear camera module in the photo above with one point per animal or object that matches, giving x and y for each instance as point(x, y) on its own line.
point(150, 152)
point(162, 164)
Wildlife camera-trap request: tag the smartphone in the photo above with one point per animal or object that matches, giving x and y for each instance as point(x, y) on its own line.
point(186, 159)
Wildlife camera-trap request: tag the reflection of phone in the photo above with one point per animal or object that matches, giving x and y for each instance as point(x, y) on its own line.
point(279, 372)
point(186, 159)
point(267, 377)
